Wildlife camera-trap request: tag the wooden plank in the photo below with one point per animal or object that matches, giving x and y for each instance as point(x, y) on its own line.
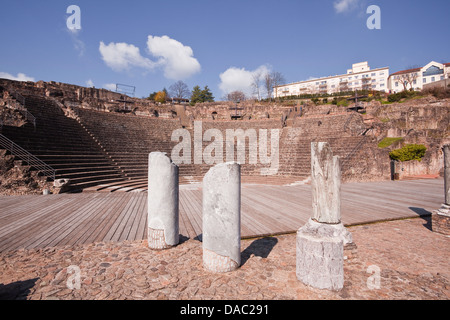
point(193, 210)
point(125, 225)
point(143, 225)
point(140, 218)
point(90, 223)
point(65, 227)
point(27, 210)
point(288, 213)
point(30, 228)
point(188, 210)
point(115, 231)
point(272, 214)
point(186, 227)
point(97, 222)
point(109, 220)
point(39, 221)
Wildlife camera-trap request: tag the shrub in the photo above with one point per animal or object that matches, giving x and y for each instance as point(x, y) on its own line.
point(315, 100)
point(396, 97)
point(342, 102)
point(386, 142)
point(437, 92)
point(409, 152)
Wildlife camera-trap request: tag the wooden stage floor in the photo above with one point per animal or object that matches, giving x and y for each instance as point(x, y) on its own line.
point(70, 219)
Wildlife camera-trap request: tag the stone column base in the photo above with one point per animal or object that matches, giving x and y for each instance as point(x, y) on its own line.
point(440, 220)
point(320, 255)
point(216, 263)
point(156, 239)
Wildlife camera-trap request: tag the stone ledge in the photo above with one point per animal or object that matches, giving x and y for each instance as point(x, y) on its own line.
point(320, 254)
point(440, 220)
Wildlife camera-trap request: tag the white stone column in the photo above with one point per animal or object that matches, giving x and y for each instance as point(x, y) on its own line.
point(446, 150)
point(163, 213)
point(325, 184)
point(320, 243)
point(441, 218)
point(222, 218)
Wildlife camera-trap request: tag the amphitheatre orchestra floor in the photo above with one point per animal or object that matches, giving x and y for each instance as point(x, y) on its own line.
point(67, 219)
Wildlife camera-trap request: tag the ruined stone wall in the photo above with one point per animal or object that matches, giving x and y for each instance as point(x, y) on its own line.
point(424, 121)
point(16, 178)
point(248, 110)
point(421, 121)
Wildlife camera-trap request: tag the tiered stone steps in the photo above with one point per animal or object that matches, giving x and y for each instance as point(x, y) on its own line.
point(64, 145)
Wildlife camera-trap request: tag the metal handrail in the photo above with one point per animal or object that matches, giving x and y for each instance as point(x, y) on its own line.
point(345, 160)
point(23, 154)
point(20, 105)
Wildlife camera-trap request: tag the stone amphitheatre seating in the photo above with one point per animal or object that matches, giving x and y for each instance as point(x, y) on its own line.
point(107, 148)
point(63, 144)
point(128, 140)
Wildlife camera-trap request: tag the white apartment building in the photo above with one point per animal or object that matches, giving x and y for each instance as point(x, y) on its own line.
point(359, 77)
point(417, 78)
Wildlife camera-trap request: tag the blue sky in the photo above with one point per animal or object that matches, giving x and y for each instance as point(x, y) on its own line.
point(152, 44)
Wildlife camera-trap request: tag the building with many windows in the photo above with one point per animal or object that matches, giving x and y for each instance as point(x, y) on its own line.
point(418, 78)
point(359, 77)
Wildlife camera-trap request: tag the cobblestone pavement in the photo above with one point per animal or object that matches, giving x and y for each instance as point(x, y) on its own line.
point(393, 260)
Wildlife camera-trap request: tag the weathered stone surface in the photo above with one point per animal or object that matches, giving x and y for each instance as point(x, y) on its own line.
point(321, 241)
point(441, 220)
point(163, 210)
point(413, 265)
point(325, 184)
point(59, 183)
point(222, 217)
point(320, 255)
point(446, 150)
point(441, 217)
point(216, 263)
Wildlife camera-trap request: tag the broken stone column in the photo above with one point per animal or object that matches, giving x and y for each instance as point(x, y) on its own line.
point(441, 218)
point(222, 218)
point(320, 243)
point(163, 214)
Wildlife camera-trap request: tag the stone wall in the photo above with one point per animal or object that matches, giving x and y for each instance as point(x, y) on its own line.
point(16, 178)
point(423, 121)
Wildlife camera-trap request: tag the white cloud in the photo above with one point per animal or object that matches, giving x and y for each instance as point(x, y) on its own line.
point(78, 44)
point(345, 5)
point(90, 83)
point(123, 56)
point(176, 59)
point(19, 77)
point(234, 79)
point(110, 86)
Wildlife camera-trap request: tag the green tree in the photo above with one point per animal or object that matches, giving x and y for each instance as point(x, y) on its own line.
point(196, 96)
point(199, 95)
point(207, 95)
point(152, 96)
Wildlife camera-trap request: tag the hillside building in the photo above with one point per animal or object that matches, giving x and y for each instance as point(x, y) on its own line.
point(419, 78)
point(359, 77)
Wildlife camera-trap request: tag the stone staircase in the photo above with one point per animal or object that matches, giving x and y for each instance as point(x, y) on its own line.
point(63, 144)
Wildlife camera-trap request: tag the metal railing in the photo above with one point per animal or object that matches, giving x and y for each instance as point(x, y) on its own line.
point(19, 104)
point(344, 161)
point(24, 155)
